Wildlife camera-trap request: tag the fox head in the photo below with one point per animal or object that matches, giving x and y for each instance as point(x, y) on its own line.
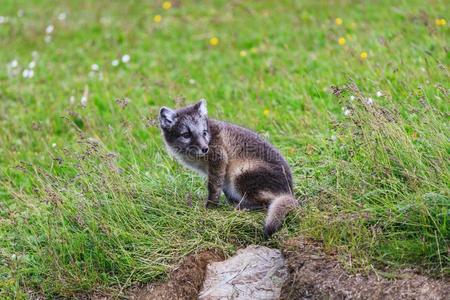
point(185, 130)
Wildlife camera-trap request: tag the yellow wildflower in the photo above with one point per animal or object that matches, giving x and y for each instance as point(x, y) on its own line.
point(214, 41)
point(441, 22)
point(167, 5)
point(157, 18)
point(341, 41)
point(363, 55)
point(243, 53)
point(266, 112)
point(338, 21)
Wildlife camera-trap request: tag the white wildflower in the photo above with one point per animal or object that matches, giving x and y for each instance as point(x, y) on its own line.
point(125, 58)
point(379, 93)
point(94, 67)
point(14, 63)
point(12, 68)
point(49, 29)
point(115, 63)
point(83, 101)
point(352, 98)
point(85, 97)
point(369, 101)
point(191, 81)
point(62, 16)
point(3, 20)
point(53, 145)
point(347, 112)
point(27, 73)
point(32, 64)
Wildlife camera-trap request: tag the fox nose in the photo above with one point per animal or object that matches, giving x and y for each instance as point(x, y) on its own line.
point(205, 150)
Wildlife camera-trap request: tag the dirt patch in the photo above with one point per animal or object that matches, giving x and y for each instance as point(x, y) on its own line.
point(184, 282)
point(316, 275)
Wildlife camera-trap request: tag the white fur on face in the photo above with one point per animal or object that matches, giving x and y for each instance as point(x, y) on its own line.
point(198, 166)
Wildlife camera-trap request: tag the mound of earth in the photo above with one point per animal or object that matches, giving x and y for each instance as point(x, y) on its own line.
point(311, 274)
point(316, 275)
point(184, 282)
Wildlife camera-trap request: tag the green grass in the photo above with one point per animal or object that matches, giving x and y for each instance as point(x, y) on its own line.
point(89, 200)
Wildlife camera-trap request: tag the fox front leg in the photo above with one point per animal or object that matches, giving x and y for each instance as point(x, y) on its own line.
point(216, 178)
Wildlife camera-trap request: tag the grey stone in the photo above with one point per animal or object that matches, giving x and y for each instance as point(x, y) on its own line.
point(255, 272)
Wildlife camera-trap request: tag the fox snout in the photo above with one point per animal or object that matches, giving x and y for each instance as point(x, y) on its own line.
point(198, 149)
point(202, 145)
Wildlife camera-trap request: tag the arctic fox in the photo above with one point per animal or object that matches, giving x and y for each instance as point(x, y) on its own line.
point(250, 171)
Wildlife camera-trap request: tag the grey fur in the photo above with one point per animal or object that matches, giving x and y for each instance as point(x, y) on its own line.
point(237, 161)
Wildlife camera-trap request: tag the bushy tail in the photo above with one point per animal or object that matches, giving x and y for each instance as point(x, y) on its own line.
point(278, 210)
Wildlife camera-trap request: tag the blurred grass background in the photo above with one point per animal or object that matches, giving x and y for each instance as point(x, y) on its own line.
point(354, 93)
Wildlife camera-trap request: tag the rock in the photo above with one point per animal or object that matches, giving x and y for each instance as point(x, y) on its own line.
point(255, 272)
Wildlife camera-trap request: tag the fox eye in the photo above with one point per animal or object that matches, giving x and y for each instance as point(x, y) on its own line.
point(186, 135)
point(205, 132)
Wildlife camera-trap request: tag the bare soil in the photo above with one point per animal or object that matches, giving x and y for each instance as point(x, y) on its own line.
point(184, 282)
point(316, 275)
point(313, 274)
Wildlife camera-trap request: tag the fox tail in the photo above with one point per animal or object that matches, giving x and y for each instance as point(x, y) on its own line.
point(278, 210)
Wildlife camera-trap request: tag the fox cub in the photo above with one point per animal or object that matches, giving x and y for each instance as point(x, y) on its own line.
point(250, 171)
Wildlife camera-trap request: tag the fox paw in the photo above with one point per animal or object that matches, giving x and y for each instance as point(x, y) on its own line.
point(211, 204)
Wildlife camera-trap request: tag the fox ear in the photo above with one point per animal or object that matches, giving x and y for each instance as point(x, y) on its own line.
point(167, 117)
point(201, 107)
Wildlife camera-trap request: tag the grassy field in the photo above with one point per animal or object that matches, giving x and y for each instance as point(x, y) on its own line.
point(355, 94)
